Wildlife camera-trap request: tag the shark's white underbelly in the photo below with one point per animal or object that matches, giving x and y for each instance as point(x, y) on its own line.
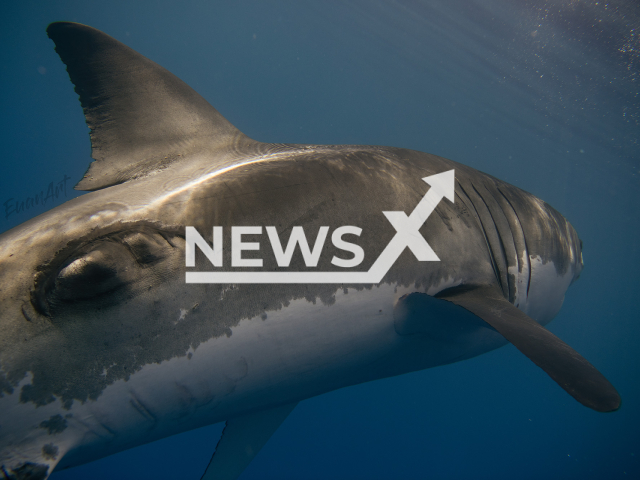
point(294, 353)
point(302, 350)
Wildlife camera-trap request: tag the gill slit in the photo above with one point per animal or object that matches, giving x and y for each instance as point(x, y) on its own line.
point(504, 253)
point(484, 233)
point(524, 237)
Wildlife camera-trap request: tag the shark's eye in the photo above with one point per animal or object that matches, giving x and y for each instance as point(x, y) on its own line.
point(105, 269)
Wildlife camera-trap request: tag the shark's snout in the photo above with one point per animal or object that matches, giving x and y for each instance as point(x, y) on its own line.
point(579, 262)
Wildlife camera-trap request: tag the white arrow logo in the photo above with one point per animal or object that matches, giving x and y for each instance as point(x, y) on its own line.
point(407, 235)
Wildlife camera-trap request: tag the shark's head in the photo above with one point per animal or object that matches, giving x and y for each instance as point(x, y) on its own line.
point(579, 263)
point(535, 252)
point(554, 261)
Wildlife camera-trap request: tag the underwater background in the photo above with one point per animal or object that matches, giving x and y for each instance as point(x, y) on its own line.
point(541, 94)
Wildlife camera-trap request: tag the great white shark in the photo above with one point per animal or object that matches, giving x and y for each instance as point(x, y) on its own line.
point(210, 277)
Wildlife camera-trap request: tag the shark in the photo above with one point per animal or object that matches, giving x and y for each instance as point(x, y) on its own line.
point(207, 277)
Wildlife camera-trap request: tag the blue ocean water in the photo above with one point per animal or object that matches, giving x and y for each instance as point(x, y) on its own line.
point(543, 95)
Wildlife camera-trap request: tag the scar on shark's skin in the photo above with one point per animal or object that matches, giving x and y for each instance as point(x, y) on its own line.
point(105, 344)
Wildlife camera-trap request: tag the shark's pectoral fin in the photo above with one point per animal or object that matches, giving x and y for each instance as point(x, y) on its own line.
point(242, 439)
point(563, 364)
point(142, 117)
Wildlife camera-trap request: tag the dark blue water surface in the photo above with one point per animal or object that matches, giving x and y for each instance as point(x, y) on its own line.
point(543, 95)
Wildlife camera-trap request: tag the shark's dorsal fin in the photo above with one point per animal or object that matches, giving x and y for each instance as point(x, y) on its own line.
point(562, 363)
point(141, 116)
point(241, 440)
